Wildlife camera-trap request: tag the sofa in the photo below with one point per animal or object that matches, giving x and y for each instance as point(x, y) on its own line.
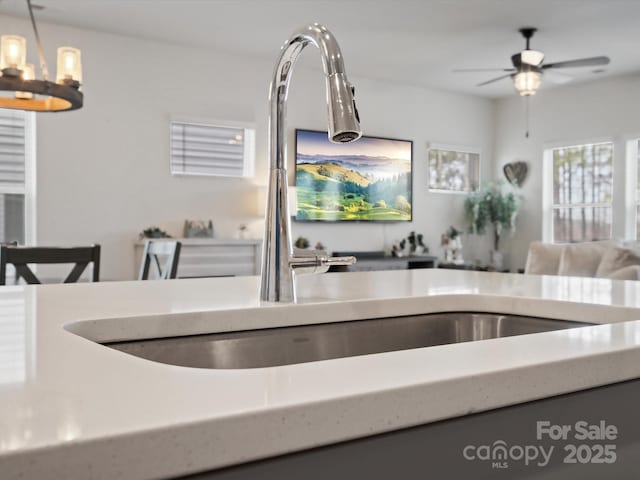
point(613, 259)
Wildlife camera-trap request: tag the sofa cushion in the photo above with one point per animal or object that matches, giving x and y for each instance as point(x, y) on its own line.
point(543, 258)
point(631, 272)
point(616, 258)
point(582, 259)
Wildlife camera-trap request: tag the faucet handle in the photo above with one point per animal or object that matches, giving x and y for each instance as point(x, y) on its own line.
point(350, 260)
point(353, 98)
point(318, 261)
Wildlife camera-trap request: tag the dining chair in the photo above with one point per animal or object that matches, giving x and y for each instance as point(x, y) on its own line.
point(21, 257)
point(153, 250)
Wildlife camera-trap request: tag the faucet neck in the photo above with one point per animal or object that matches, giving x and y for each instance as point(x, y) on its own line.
point(332, 63)
point(277, 278)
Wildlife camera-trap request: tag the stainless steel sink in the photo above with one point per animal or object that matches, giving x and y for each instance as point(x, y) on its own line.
point(289, 345)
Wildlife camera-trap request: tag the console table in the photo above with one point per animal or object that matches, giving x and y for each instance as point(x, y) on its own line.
point(212, 257)
point(468, 266)
point(370, 261)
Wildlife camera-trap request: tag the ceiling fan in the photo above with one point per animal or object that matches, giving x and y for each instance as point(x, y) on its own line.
point(528, 66)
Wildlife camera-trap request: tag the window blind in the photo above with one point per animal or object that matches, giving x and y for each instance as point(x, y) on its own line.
point(13, 338)
point(201, 149)
point(12, 151)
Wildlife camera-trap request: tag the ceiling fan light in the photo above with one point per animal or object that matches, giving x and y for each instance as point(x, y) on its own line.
point(532, 57)
point(527, 83)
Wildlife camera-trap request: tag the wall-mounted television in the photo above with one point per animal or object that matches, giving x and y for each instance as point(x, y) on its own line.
point(368, 180)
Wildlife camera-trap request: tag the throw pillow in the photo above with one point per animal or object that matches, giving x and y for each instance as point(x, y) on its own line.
point(582, 259)
point(632, 272)
point(616, 258)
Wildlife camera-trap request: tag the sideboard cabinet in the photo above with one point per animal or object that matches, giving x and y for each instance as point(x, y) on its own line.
point(212, 257)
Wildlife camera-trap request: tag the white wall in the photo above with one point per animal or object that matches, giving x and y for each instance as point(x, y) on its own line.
point(103, 171)
point(598, 110)
point(404, 112)
point(103, 175)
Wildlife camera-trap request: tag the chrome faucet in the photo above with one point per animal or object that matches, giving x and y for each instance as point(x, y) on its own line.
point(279, 259)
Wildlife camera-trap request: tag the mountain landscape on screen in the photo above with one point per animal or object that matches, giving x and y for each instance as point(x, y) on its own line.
point(367, 180)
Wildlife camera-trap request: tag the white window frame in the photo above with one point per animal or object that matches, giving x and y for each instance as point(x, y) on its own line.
point(547, 181)
point(249, 143)
point(631, 200)
point(453, 148)
point(30, 179)
point(29, 188)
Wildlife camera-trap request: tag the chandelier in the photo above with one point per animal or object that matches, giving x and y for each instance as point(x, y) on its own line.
point(19, 87)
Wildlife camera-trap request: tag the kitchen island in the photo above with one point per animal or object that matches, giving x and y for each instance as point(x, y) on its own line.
point(72, 408)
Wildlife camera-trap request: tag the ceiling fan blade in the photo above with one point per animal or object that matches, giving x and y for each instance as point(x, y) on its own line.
point(493, 80)
point(557, 77)
point(580, 62)
point(458, 70)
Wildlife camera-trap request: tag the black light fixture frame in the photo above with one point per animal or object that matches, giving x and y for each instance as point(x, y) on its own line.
point(57, 97)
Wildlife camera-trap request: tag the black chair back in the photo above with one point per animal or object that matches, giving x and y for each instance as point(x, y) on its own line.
point(21, 257)
point(153, 250)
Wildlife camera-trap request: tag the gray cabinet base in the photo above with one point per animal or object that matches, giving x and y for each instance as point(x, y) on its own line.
point(436, 450)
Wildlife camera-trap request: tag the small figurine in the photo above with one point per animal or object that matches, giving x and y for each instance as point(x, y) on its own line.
point(417, 247)
point(398, 248)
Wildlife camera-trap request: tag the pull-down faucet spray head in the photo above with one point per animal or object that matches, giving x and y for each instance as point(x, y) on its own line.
point(344, 121)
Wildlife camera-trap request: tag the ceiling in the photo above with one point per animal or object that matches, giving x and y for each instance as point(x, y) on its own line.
point(416, 42)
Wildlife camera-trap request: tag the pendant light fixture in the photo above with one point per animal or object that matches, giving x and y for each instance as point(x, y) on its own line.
point(19, 87)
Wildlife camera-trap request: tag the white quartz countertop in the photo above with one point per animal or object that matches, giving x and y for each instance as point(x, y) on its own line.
point(71, 408)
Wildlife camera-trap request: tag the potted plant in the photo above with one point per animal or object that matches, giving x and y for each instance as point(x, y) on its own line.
point(302, 243)
point(452, 233)
point(154, 232)
point(451, 241)
point(492, 206)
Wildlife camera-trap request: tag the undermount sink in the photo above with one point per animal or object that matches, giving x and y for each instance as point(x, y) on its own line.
point(310, 343)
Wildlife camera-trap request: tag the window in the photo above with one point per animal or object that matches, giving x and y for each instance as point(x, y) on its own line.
point(453, 170)
point(16, 147)
point(199, 148)
point(582, 189)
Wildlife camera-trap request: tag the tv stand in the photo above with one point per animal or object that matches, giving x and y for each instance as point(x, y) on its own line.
point(376, 260)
